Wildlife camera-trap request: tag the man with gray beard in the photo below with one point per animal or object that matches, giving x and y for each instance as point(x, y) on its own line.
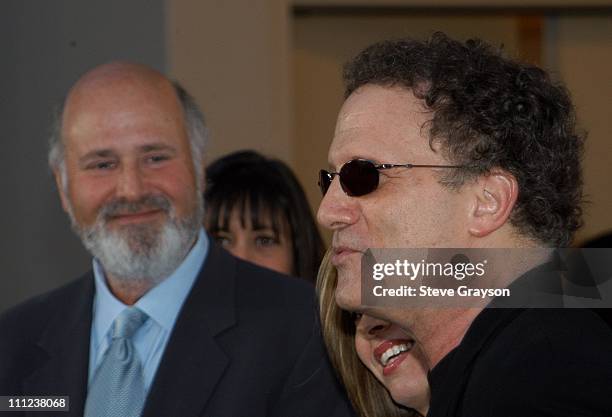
point(166, 323)
point(139, 250)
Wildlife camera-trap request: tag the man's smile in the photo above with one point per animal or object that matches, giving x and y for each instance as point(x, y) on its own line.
point(137, 217)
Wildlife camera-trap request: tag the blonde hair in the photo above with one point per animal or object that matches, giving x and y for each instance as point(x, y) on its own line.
point(369, 397)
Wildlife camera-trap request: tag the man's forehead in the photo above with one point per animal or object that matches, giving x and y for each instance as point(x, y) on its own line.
point(120, 99)
point(379, 120)
point(124, 75)
point(115, 87)
point(383, 100)
point(120, 118)
point(373, 114)
point(115, 114)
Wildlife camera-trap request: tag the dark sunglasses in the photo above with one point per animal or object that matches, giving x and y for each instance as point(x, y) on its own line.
point(360, 177)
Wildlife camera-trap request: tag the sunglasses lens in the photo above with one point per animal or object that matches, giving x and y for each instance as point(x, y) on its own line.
point(325, 180)
point(358, 177)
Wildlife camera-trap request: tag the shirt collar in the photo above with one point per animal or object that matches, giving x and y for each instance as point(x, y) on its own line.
point(162, 303)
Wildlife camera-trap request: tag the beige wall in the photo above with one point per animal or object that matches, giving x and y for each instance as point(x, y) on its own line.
point(583, 58)
point(234, 57)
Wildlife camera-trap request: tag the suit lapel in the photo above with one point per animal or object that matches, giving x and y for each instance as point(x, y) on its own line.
point(193, 362)
point(64, 349)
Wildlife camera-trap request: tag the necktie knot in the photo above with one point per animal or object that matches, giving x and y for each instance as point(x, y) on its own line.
point(128, 322)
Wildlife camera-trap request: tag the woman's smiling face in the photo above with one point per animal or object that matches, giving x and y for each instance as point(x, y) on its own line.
point(395, 359)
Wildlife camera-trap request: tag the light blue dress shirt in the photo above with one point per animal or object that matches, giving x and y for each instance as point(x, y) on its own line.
point(162, 304)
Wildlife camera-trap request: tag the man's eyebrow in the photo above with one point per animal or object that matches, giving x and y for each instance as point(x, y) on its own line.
point(108, 153)
point(97, 153)
point(351, 158)
point(156, 147)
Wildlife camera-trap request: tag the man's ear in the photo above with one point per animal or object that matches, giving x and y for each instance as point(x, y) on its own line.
point(61, 189)
point(494, 198)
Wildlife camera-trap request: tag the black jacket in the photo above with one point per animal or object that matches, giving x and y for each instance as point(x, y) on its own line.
point(527, 362)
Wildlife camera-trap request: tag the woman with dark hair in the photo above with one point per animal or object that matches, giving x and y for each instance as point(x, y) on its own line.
point(257, 210)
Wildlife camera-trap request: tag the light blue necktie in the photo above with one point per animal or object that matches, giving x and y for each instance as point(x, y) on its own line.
point(117, 389)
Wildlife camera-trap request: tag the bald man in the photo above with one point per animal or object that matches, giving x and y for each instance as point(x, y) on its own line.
point(166, 323)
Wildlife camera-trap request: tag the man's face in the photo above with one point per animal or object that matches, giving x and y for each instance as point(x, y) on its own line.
point(409, 209)
point(130, 178)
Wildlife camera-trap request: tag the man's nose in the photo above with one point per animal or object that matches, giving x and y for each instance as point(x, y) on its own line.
point(337, 210)
point(371, 327)
point(130, 183)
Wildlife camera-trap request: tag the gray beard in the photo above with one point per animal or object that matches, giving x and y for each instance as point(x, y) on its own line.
point(141, 253)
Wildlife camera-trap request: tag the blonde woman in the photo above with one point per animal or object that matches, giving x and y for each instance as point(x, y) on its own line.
point(381, 367)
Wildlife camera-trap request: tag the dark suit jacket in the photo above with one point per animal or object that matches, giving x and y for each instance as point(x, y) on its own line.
point(246, 343)
point(527, 362)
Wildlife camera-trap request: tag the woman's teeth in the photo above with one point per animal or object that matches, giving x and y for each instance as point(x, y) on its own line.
point(393, 352)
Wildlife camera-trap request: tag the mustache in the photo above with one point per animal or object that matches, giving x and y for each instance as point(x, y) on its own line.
point(122, 206)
